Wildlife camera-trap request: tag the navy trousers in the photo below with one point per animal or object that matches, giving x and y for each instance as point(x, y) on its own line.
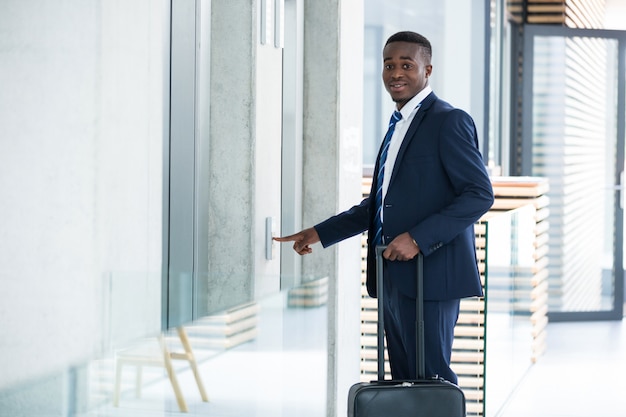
point(440, 317)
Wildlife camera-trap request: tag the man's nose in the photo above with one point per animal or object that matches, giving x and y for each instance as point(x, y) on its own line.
point(397, 73)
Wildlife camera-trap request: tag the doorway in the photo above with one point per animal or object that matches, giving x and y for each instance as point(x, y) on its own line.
point(573, 135)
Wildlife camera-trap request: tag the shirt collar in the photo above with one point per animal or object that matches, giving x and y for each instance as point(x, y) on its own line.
point(412, 104)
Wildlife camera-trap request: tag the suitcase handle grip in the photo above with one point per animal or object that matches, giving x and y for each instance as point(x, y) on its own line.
point(419, 315)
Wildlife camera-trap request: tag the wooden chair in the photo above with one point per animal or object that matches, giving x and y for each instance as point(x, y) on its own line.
point(162, 358)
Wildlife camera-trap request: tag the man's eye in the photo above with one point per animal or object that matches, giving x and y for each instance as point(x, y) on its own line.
point(407, 66)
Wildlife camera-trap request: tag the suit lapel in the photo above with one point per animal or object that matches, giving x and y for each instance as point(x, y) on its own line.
point(411, 133)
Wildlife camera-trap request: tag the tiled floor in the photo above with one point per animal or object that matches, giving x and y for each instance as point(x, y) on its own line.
point(580, 375)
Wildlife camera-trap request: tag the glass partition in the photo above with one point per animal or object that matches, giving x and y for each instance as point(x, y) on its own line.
point(84, 103)
point(269, 356)
point(573, 126)
point(510, 275)
point(263, 358)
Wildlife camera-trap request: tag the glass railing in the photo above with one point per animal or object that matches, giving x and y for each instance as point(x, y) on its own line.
point(263, 358)
point(267, 357)
point(511, 272)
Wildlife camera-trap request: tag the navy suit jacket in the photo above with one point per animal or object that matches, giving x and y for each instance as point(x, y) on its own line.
point(438, 189)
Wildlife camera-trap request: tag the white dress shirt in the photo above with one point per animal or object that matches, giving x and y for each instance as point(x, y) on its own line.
point(402, 126)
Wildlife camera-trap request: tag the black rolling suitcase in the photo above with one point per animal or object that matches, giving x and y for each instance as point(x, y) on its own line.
point(420, 398)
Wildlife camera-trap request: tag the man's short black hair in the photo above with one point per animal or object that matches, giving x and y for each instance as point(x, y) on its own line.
point(412, 37)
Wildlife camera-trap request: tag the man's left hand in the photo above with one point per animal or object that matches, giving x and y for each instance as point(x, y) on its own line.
point(402, 248)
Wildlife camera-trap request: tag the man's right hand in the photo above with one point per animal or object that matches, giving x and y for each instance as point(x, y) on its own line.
point(302, 241)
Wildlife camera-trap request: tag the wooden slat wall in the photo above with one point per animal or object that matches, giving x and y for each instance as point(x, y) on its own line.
point(532, 290)
point(226, 329)
point(468, 348)
point(571, 13)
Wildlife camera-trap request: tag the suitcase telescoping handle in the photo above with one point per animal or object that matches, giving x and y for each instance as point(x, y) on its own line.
point(419, 315)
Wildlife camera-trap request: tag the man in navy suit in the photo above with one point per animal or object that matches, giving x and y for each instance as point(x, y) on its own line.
point(434, 187)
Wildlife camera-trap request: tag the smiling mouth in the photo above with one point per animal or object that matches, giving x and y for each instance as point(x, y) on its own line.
point(396, 86)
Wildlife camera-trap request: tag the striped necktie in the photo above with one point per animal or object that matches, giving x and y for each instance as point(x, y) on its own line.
point(378, 225)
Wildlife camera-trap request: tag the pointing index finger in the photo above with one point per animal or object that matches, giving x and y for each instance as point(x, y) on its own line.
point(290, 238)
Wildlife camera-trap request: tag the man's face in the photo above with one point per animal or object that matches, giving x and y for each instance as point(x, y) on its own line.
point(404, 71)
